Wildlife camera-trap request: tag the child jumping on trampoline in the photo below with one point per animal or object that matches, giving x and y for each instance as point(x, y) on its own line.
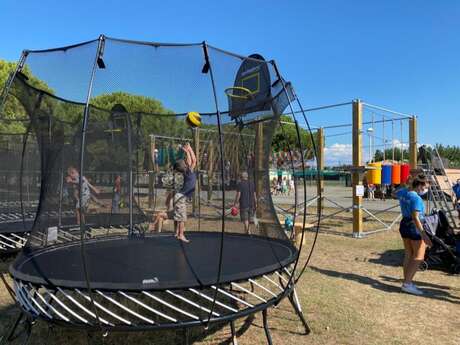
point(73, 178)
point(186, 167)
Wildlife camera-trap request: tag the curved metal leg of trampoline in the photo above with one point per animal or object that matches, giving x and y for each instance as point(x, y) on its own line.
point(266, 329)
point(295, 304)
point(94, 338)
point(186, 337)
point(234, 339)
point(11, 336)
point(27, 330)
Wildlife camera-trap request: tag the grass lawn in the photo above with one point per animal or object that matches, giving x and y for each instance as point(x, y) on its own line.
point(350, 295)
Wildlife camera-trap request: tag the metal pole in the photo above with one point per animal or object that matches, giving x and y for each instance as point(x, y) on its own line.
point(357, 162)
point(222, 165)
point(393, 139)
point(384, 139)
point(320, 167)
point(130, 167)
point(152, 171)
point(401, 141)
point(82, 162)
point(386, 110)
point(413, 143)
point(61, 185)
point(322, 107)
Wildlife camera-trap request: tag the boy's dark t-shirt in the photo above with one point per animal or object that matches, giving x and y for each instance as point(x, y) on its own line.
point(189, 183)
point(246, 189)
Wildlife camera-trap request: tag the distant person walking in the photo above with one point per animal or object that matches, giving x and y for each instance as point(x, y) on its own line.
point(246, 200)
point(291, 186)
point(411, 229)
point(116, 194)
point(370, 191)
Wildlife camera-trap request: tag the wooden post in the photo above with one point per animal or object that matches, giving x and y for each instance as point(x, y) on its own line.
point(237, 161)
point(320, 167)
point(152, 171)
point(357, 162)
point(196, 195)
point(413, 143)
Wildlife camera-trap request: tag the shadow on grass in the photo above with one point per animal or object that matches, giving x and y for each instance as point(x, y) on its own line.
point(431, 291)
point(392, 258)
point(5, 264)
point(423, 284)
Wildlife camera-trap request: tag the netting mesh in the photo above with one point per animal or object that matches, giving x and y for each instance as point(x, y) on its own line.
point(20, 178)
point(107, 167)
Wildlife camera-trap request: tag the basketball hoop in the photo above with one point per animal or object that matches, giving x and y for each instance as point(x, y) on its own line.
point(238, 93)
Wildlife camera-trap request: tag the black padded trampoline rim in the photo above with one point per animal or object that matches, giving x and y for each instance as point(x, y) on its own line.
point(22, 258)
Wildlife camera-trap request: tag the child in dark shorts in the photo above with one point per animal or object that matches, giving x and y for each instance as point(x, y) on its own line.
point(246, 200)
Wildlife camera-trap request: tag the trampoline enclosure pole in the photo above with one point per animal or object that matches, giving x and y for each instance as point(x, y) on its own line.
point(222, 168)
point(80, 185)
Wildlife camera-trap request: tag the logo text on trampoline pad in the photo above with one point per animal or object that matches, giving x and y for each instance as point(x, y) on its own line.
point(154, 280)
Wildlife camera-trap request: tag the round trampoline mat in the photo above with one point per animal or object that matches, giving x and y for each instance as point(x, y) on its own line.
point(154, 262)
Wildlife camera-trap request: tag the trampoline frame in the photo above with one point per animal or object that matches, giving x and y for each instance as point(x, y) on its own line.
point(35, 305)
point(41, 302)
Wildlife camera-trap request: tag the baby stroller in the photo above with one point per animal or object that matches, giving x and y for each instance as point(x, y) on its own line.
point(443, 254)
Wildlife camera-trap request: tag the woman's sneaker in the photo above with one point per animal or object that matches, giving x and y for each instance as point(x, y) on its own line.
point(412, 289)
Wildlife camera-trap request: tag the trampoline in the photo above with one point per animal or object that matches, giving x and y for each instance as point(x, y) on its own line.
point(169, 266)
point(96, 257)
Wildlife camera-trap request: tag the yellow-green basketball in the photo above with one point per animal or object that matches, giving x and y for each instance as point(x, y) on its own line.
point(193, 119)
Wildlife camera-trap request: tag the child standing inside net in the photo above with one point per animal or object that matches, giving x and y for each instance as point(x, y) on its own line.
point(186, 167)
point(178, 212)
point(81, 203)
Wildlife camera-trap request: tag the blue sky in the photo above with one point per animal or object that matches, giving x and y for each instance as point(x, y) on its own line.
point(400, 54)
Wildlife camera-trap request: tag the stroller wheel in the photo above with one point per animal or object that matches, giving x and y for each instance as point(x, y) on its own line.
point(456, 268)
point(423, 266)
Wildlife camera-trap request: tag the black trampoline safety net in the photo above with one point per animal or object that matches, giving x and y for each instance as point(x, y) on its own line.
point(109, 159)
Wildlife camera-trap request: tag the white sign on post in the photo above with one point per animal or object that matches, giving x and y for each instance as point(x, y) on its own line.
point(360, 190)
point(52, 234)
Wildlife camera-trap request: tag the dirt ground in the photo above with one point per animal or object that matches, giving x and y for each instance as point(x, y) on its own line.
point(350, 294)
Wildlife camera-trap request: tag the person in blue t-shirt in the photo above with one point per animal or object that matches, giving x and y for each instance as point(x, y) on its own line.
point(411, 229)
point(186, 167)
point(456, 188)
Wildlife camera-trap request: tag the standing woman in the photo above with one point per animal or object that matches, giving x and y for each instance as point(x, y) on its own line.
point(411, 229)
